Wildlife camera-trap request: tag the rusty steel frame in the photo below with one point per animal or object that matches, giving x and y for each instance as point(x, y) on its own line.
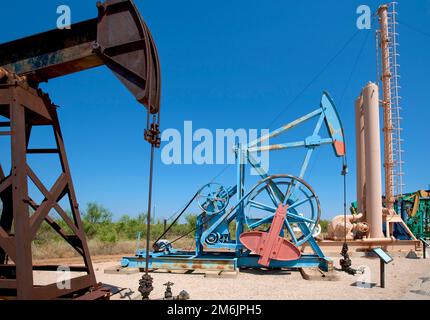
point(117, 38)
point(27, 108)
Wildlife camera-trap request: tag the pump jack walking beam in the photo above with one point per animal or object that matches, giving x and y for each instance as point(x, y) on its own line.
point(118, 38)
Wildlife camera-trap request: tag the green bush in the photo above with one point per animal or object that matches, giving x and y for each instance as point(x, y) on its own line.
point(106, 232)
point(94, 217)
point(191, 221)
point(98, 224)
point(128, 228)
point(97, 214)
point(324, 226)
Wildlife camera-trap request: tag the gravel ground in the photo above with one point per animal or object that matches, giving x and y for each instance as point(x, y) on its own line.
point(405, 279)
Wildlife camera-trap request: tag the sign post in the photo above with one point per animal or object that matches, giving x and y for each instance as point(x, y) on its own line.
point(384, 259)
point(425, 246)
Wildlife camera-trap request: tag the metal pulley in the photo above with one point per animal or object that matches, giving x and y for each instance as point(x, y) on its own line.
point(213, 198)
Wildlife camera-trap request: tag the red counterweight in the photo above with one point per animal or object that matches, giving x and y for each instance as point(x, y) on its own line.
point(270, 245)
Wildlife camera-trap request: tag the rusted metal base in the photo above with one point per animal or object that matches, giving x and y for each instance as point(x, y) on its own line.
point(183, 261)
point(101, 292)
point(21, 217)
point(220, 261)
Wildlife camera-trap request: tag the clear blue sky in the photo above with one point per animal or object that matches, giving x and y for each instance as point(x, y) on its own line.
point(226, 64)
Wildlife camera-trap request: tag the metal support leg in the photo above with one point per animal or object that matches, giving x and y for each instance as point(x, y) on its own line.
point(24, 263)
point(240, 157)
point(74, 206)
point(425, 245)
point(17, 227)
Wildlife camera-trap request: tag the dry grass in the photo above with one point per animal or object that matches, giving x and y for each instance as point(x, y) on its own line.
point(56, 249)
point(60, 250)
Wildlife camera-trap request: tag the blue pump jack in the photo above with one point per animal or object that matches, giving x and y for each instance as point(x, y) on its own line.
point(230, 212)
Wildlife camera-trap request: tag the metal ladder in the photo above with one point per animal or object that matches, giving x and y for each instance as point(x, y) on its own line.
point(397, 183)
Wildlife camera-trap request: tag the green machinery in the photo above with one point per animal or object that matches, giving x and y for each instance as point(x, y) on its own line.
point(414, 209)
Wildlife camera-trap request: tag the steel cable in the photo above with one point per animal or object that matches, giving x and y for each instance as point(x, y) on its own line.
point(316, 77)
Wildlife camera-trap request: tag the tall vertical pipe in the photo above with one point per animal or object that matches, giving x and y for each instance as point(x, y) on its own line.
point(360, 156)
point(373, 160)
point(386, 105)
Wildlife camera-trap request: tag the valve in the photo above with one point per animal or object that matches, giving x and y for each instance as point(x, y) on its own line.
point(168, 295)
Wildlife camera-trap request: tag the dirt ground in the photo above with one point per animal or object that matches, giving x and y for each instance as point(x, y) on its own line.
point(405, 279)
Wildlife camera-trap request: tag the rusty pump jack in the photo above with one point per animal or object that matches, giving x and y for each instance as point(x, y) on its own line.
point(117, 38)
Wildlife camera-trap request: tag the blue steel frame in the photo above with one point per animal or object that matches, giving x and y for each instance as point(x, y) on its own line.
point(213, 231)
